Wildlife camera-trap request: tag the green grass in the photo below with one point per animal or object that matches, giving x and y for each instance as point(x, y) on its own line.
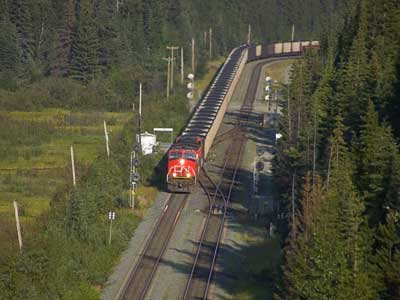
point(36, 155)
point(212, 67)
point(260, 267)
point(277, 71)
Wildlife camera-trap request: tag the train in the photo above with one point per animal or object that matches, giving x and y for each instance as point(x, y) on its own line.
point(188, 153)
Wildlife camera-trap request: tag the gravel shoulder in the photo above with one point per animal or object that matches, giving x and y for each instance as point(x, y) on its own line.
point(244, 228)
point(130, 256)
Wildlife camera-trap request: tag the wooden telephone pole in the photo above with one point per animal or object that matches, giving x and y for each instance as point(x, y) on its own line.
point(210, 38)
point(106, 137)
point(172, 48)
point(182, 67)
point(73, 166)
point(193, 64)
point(18, 225)
point(168, 59)
point(292, 32)
point(249, 35)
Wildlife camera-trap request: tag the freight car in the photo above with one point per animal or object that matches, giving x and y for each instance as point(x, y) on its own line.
point(187, 155)
point(286, 49)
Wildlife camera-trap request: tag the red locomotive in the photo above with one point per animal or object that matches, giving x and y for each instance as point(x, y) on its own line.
point(185, 159)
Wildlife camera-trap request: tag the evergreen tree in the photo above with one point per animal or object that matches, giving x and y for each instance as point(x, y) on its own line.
point(378, 155)
point(85, 46)
point(387, 257)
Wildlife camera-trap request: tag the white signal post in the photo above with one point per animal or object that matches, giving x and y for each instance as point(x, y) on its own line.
point(111, 217)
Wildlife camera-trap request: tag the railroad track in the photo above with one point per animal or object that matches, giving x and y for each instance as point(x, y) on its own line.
point(139, 280)
point(138, 283)
point(219, 195)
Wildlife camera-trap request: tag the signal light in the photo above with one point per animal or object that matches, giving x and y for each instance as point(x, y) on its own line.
point(174, 174)
point(188, 175)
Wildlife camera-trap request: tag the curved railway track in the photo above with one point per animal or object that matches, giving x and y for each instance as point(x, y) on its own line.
point(138, 282)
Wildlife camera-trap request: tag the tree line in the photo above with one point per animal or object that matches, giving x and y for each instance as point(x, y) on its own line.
point(98, 42)
point(337, 166)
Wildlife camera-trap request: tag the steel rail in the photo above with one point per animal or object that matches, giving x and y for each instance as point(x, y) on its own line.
point(246, 108)
point(203, 233)
point(164, 246)
point(221, 228)
point(145, 253)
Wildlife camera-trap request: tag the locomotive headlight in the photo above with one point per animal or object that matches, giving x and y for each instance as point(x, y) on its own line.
point(188, 175)
point(182, 161)
point(174, 174)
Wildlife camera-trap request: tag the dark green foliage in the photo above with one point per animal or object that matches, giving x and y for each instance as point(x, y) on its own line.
point(347, 247)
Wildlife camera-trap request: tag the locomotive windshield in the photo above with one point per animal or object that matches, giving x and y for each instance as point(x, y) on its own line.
point(189, 155)
point(174, 155)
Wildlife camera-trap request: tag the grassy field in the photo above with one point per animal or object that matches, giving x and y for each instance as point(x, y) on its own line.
point(277, 71)
point(212, 67)
point(35, 153)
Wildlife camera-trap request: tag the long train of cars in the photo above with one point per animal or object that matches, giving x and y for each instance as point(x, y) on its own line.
point(187, 155)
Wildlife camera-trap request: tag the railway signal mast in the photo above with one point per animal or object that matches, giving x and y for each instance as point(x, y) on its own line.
point(190, 86)
point(111, 217)
point(134, 174)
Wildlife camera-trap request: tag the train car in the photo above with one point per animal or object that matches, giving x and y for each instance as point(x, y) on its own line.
point(286, 49)
point(186, 156)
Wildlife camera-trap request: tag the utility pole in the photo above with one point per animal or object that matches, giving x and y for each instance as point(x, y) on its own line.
point(73, 166)
point(205, 38)
point(182, 66)
point(168, 59)
point(193, 65)
point(292, 32)
point(210, 37)
point(140, 101)
point(172, 48)
point(117, 5)
point(140, 115)
point(249, 35)
point(18, 226)
point(106, 137)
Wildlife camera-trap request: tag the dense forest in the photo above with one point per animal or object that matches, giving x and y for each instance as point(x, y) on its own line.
point(49, 48)
point(90, 55)
point(338, 164)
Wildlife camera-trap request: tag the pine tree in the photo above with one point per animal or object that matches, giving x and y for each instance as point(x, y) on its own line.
point(62, 48)
point(85, 46)
point(378, 152)
point(8, 42)
point(387, 257)
point(356, 78)
point(106, 24)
